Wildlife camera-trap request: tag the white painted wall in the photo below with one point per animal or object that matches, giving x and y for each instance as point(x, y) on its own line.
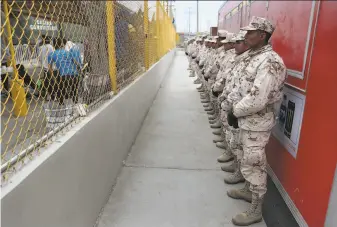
point(71, 181)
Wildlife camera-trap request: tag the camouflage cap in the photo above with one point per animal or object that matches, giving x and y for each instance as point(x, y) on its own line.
point(240, 36)
point(222, 33)
point(229, 38)
point(260, 23)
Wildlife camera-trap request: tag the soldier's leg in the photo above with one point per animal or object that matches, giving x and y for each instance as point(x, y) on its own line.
point(232, 140)
point(216, 124)
point(253, 169)
point(205, 98)
point(227, 155)
point(213, 101)
point(191, 68)
point(236, 149)
point(196, 71)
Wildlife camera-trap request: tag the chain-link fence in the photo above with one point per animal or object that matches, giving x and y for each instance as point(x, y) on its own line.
point(62, 59)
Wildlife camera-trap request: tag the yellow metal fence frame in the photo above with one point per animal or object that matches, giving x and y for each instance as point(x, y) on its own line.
point(158, 31)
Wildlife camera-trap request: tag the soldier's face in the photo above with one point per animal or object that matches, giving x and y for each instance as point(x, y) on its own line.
point(240, 47)
point(228, 46)
point(254, 38)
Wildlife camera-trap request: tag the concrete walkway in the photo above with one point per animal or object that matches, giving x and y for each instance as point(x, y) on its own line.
point(172, 178)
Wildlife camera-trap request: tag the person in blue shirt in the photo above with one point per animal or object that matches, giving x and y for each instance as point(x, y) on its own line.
point(66, 76)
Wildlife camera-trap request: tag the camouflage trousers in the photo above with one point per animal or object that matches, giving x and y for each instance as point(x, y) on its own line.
point(225, 130)
point(231, 136)
point(232, 139)
point(254, 161)
point(203, 81)
point(194, 67)
point(214, 100)
point(189, 62)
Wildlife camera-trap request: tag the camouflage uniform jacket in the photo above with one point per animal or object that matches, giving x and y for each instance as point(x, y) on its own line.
point(203, 57)
point(210, 60)
point(260, 89)
point(194, 50)
point(232, 73)
point(207, 58)
point(215, 61)
point(225, 67)
point(201, 52)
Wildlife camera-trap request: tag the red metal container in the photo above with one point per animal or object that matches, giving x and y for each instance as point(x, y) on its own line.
point(305, 37)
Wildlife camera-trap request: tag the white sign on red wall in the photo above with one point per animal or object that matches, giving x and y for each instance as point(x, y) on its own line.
point(289, 122)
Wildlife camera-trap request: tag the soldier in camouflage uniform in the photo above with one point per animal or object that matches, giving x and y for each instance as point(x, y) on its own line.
point(199, 52)
point(231, 134)
point(221, 52)
point(203, 65)
point(259, 93)
point(209, 62)
point(211, 73)
point(193, 54)
point(190, 43)
point(201, 55)
point(216, 122)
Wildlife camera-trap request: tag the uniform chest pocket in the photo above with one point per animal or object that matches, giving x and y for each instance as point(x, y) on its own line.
point(250, 73)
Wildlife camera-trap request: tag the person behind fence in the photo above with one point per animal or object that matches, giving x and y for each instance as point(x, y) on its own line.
point(45, 49)
point(260, 89)
point(68, 44)
point(63, 84)
point(67, 65)
point(22, 74)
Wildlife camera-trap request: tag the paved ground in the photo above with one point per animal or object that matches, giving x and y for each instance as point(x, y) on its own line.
point(171, 178)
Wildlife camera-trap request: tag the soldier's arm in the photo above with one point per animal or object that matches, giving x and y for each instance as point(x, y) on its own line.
point(264, 88)
point(219, 84)
point(215, 68)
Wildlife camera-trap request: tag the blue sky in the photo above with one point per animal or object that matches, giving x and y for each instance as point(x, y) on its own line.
point(208, 15)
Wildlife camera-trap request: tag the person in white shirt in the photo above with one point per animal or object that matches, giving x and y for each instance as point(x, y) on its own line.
point(69, 45)
point(45, 49)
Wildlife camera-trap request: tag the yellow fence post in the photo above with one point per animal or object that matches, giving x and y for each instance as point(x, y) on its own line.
point(17, 90)
point(158, 30)
point(146, 34)
point(110, 17)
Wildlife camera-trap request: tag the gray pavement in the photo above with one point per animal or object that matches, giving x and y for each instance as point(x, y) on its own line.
point(171, 177)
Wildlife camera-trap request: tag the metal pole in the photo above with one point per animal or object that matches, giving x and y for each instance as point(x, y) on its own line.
point(110, 17)
point(189, 21)
point(17, 90)
point(197, 17)
point(146, 32)
point(158, 30)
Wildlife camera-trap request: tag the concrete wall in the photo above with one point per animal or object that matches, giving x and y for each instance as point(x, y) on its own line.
point(70, 182)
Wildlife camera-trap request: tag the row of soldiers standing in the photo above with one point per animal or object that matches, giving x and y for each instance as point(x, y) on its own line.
point(241, 81)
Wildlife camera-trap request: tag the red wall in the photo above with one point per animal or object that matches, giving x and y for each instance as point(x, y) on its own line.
point(308, 178)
